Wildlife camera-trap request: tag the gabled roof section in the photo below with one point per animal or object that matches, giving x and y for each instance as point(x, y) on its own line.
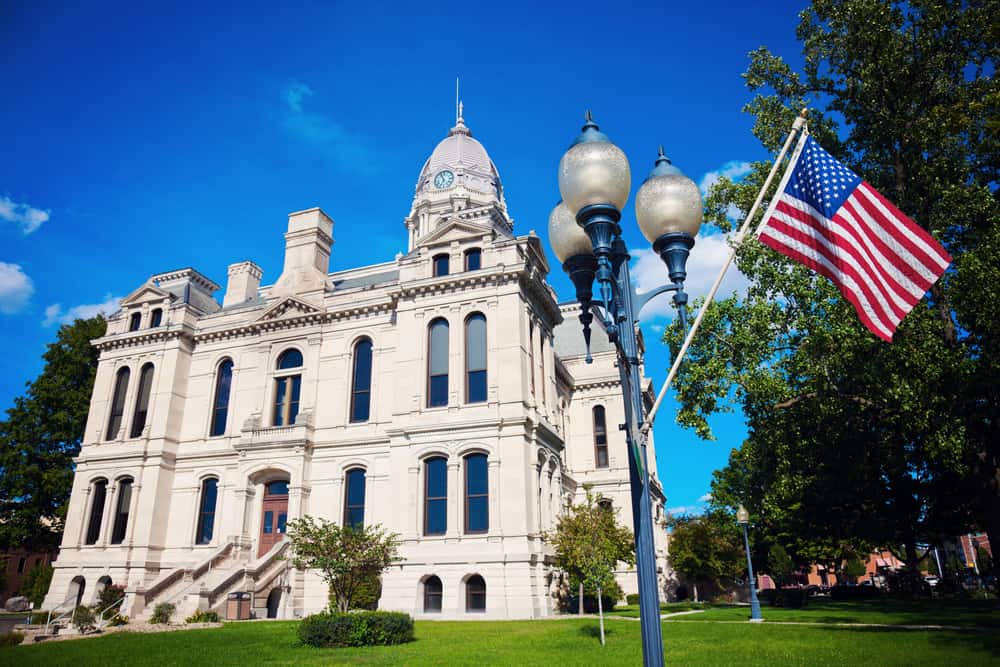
point(455, 230)
point(146, 293)
point(290, 306)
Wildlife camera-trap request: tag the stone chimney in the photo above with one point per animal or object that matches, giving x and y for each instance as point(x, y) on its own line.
point(244, 280)
point(307, 253)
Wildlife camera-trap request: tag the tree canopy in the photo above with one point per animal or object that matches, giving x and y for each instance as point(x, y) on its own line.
point(42, 435)
point(707, 549)
point(854, 443)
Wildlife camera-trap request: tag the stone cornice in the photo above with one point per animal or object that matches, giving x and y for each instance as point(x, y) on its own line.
point(144, 337)
point(457, 281)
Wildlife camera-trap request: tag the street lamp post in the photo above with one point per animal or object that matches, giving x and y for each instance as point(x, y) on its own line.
point(743, 518)
point(594, 181)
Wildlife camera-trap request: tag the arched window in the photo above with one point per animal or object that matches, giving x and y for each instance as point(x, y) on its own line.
point(122, 504)
point(432, 594)
point(473, 259)
point(477, 494)
point(287, 388)
point(206, 510)
point(142, 401)
point(600, 438)
point(475, 358)
point(437, 363)
point(155, 318)
point(361, 385)
point(606, 505)
point(100, 494)
point(354, 499)
point(475, 594)
point(118, 404)
point(435, 496)
point(541, 355)
point(440, 265)
point(531, 355)
point(134, 321)
point(220, 406)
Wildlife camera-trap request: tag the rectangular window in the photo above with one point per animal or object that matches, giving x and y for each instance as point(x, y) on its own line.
point(600, 438)
point(282, 521)
point(268, 522)
point(286, 400)
point(96, 512)
point(121, 511)
point(441, 265)
point(436, 493)
point(473, 259)
point(477, 499)
point(206, 513)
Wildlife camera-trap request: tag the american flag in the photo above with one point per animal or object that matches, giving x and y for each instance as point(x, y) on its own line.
point(839, 226)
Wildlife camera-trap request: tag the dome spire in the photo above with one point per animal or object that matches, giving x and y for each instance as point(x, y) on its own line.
point(460, 127)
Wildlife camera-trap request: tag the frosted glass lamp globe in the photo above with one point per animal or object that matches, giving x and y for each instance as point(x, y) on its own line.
point(594, 171)
point(565, 236)
point(668, 201)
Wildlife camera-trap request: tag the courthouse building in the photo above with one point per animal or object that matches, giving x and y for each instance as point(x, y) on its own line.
point(442, 394)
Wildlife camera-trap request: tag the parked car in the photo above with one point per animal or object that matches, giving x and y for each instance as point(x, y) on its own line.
point(931, 580)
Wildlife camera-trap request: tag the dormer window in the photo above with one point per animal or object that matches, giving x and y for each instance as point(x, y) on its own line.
point(440, 265)
point(155, 318)
point(473, 259)
point(134, 321)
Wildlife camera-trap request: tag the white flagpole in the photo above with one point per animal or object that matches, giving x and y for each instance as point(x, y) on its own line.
point(799, 126)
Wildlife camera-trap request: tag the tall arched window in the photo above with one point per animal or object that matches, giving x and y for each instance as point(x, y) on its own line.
point(475, 594)
point(206, 510)
point(100, 494)
point(155, 318)
point(220, 406)
point(473, 259)
point(440, 265)
point(142, 401)
point(134, 321)
point(437, 363)
point(435, 496)
point(477, 494)
point(541, 354)
point(122, 504)
point(118, 404)
point(475, 358)
point(531, 355)
point(361, 382)
point(432, 594)
point(288, 384)
point(600, 438)
point(354, 499)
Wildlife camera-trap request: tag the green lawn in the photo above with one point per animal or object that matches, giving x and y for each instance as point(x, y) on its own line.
point(525, 643)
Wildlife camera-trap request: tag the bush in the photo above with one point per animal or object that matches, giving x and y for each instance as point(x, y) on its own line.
point(365, 628)
point(36, 583)
point(162, 613)
point(110, 595)
point(83, 619)
point(854, 592)
point(118, 620)
point(792, 598)
point(632, 598)
point(11, 639)
point(40, 617)
point(202, 616)
point(367, 593)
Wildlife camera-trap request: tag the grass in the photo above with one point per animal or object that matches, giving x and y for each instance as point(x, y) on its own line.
point(550, 643)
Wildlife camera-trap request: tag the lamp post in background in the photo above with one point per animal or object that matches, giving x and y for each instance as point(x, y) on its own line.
point(594, 181)
point(743, 518)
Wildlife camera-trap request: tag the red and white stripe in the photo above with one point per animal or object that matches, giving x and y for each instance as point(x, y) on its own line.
point(880, 260)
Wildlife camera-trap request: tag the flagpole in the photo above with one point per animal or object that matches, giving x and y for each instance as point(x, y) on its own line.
point(798, 127)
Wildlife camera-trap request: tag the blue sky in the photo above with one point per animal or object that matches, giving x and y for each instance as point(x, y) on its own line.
point(139, 139)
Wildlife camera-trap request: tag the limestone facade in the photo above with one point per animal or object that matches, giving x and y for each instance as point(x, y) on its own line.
point(211, 425)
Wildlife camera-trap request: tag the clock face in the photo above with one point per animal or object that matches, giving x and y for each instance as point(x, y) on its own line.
point(444, 179)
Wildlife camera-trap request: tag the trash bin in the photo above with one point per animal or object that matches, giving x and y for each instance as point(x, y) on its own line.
point(238, 606)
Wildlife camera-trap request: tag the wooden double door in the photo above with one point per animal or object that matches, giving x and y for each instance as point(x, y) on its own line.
point(274, 515)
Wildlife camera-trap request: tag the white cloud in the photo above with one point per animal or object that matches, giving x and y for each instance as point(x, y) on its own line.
point(707, 498)
point(26, 216)
point(347, 150)
point(706, 259)
point(55, 314)
point(734, 170)
point(685, 509)
point(15, 288)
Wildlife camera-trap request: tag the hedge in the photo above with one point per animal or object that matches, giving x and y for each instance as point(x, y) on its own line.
point(793, 598)
point(364, 628)
point(854, 592)
point(632, 598)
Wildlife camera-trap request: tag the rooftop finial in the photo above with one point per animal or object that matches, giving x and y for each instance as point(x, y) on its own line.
point(590, 131)
point(458, 104)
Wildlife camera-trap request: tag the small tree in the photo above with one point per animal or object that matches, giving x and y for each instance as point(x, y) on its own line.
point(780, 564)
point(707, 548)
point(347, 558)
point(589, 544)
point(36, 582)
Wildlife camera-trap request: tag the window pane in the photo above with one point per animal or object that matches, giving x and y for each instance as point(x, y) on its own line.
point(437, 517)
point(97, 511)
point(476, 474)
point(282, 521)
point(142, 401)
point(290, 359)
point(432, 594)
point(360, 409)
point(155, 318)
point(121, 511)
point(354, 499)
point(602, 457)
point(475, 343)
point(279, 488)
point(206, 515)
point(362, 380)
point(475, 594)
point(268, 522)
point(437, 478)
point(472, 260)
point(293, 406)
point(439, 391)
point(223, 382)
point(477, 386)
point(134, 321)
point(479, 514)
point(441, 265)
point(439, 348)
point(118, 404)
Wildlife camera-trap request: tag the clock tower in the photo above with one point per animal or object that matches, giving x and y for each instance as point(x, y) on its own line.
point(458, 183)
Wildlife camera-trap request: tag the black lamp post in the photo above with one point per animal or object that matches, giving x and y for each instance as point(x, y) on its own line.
point(594, 180)
point(743, 518)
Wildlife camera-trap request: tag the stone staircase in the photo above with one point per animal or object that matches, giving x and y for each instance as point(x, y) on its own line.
point(205, 585)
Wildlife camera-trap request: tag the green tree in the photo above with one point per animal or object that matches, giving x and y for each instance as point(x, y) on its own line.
point(36, 583)
point(780, 564)
point(42, 435)
point(852, 442)
point(589, 543)
point(347, 558)
point(707, 549)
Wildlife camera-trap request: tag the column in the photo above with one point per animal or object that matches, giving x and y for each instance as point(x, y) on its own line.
point(454, 494)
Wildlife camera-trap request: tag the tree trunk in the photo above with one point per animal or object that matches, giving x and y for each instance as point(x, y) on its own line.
point(580, 609)
point(694, 587)
point(600, 613)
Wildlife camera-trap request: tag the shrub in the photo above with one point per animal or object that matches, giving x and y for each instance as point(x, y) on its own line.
point(632, 598)
point(11, 639)
point(40, 617)
point(367, 593)
point(854, 592)
point(202, 616)
point(110, 595)
point(118, 620)
point(83, 619)
point(793, 598)
point(36, 583)
point(365, 628)
point(162, 613)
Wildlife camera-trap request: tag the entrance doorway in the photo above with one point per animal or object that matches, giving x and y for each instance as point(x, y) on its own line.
point(273, 600)
point(274, 515)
